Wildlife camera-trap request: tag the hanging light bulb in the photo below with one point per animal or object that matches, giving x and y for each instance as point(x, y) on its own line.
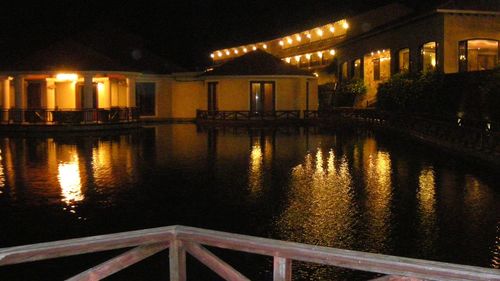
point(281, 43)
point(289, 40)
point(298, 38)
point(245, 50)
point(236, 52)
point(288, 60)
point(297, 58)
point(264, 46)
point(219, 54)
point(227, 52)
point(254, 48)
point(319, 32)
point(320, 54)
point(332, 52)
point(345, 25)
point(332, 29)
point(212, 55)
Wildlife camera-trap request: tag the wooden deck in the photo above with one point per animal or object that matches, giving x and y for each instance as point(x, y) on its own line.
point(181, 240)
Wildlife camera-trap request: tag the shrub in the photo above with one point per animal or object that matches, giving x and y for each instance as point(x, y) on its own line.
point(347, 92)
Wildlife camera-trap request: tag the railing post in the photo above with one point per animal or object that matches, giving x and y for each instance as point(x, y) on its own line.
point(177, 260)
point(282, 269)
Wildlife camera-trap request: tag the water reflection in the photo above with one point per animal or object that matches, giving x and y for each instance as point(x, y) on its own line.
point(378, 192)
point(321, 209)
point(69, 175)
point(255, 170)
point(426, 197)
point(495, 251)
point(2, 175)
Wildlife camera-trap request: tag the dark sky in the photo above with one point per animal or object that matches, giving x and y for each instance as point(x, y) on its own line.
point(183, 31)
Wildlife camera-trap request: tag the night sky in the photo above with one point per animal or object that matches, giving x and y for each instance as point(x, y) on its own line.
point(185, 32)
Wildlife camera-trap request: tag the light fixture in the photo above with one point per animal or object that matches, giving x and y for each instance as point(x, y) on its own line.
point(345, 25)
point(227, 52)
point(264, 46)
point(297, 58)
point(235, 52)
point(332, 52)
point(219, 54)
point(212, 55)
point(332, 29)
point(320, 54)
point(308, 35)
point(254, 48)
point(289, 40)
point(298, 38)
point(66, 77)
point(308, 56)
point(319, 31)
point(245, 50)
point(316, 74)
point(100, 86)
point(288, 60)
point(281, 43)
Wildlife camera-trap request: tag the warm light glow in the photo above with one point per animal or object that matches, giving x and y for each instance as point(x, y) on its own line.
point(281, 43)
point(69, 179)
point(332, 29)
point(289, 40)
point(236, 52)
point(308, 35)
point(66, 77)
point(212, 55)
point(297, 58)
point(308, 56)
point(320, 54)
point(298, 38)
point(2, 175)
point(316, 74)
point(332, 52)
point(319, 31)
point(227, 52)
point(433, 62)
point(100, 87)
point(264, 46)
point(254, 48)
point(345, 25)
point(219, 54)
point(245, 50)
point(288, 60)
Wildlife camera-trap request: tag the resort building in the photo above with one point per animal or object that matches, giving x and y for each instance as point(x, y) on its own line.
point(78, 82)
point(456, 36)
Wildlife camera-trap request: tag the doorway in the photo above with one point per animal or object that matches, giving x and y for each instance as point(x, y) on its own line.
point(262, 96)
point(34, 95)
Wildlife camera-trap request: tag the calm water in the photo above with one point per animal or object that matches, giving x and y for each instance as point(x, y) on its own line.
point(345, 188)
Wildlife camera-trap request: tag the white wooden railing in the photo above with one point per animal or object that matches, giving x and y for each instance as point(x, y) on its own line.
point(181, 240)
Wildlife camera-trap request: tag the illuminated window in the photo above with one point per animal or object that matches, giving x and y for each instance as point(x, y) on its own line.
point(145, 98)
point(404, 60)
point(479, 54)
point(376, 69)
point(428, 57)
point(356, 69)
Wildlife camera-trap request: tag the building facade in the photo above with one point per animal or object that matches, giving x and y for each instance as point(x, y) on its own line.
point(392, 39)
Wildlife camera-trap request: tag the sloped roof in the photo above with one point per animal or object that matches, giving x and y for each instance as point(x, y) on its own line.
point(256, 63)
point(474, 5)
point(67, 55)
point(107, 50)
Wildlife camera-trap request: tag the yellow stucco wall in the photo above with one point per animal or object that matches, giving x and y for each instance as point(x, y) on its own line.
point(185, 98)
point(65, 95)
point(459, 27)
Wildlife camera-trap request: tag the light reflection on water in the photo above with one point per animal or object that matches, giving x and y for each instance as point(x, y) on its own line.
point(351, 191)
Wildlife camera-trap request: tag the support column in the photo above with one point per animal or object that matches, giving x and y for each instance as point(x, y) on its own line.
point(5, 99)
point(88, 98)
point(130, 92)
point(20, 99)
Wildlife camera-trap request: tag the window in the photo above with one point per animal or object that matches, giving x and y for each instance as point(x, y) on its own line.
point(404, 60)
point(262, 96)
point(478, 54)
point(212, 96)
point(428, 57)
point(343, 71)
point(145, 98)
point(356, 69)
point(376, 69)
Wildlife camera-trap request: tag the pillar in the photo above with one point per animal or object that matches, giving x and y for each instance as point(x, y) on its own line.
point(88, 92)
point(20, 99)
point(5, 98)
point(131, 92)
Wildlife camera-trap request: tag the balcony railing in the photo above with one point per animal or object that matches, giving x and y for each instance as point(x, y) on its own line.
point(181, 240)
point(69, 116)
point(243, 115)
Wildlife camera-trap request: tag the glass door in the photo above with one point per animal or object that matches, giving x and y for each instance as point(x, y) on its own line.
point(262, 96)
